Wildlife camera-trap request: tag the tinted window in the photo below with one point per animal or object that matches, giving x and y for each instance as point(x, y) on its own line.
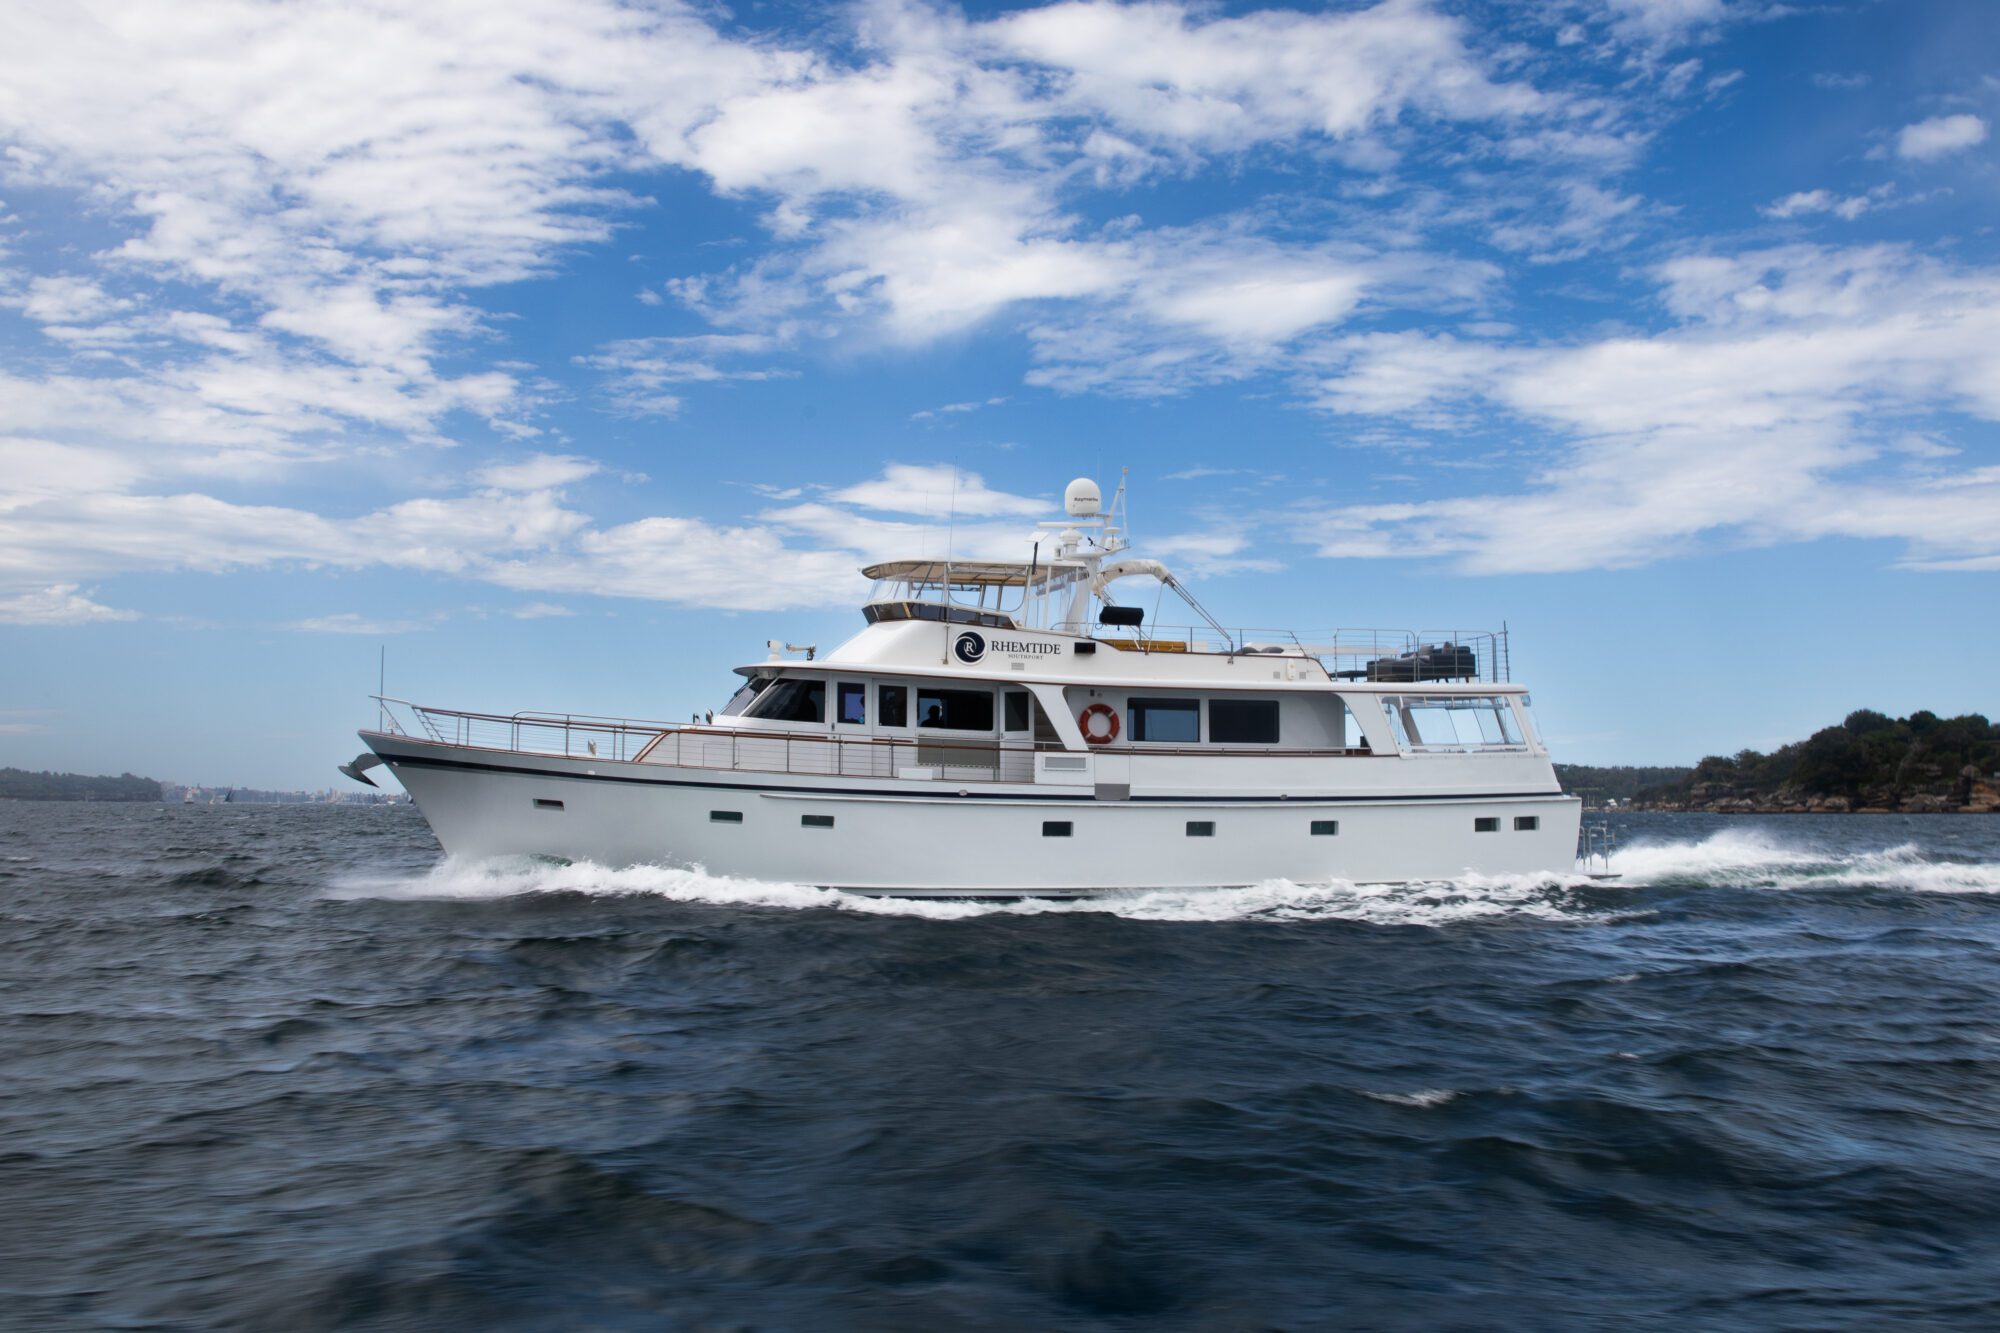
point(1527, 823)
point(816, 821)
point(1055, 828)
point(1201, 828)
point(1326, 828)
point(1243, 721)
point(725, 816)
point(853, 703)
point(1486, 825)
point(895, 701)
point(743, 697)
point(1017, 710)
point(1165, 719)
point(794, 700)
point(955, 710)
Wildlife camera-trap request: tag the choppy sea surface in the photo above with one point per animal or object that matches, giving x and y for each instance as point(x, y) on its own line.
point(286, 1068)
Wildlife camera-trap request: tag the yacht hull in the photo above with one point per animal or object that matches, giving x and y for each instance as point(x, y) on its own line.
point(933, 839)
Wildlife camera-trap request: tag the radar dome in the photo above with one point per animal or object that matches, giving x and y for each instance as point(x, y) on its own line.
point(1082, 498)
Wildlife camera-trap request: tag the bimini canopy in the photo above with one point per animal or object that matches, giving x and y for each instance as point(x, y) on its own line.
point(963, 573)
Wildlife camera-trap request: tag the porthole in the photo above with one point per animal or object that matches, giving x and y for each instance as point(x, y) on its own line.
point(542, 803)
point(816, 821)
point(725, 816)
point(1055, 828)
point(1326, 828)
point(1527, 823)
point(1201, 828)
point(1486, 824)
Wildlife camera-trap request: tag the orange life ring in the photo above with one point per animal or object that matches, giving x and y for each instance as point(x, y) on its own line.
point(1110, 716)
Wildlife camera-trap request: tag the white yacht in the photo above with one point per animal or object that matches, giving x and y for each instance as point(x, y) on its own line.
point(1018, 728)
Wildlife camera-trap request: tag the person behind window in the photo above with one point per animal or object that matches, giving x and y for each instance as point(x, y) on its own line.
point(933, 718)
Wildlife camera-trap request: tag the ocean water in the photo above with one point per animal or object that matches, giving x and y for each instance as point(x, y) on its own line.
point(283, 1068)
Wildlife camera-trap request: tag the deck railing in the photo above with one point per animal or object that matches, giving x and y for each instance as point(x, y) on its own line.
point(1343, 654)
point(617, 740)
point(628, 740)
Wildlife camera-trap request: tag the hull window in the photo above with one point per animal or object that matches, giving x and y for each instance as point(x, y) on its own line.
point(816, 821)
point(1486, 824)
point(1055, 828)
point(1441, 722)
point(1527, 823)
point(541, 804)
point(725, 816)
point(895, 705)
point(1165, 719)
point(955, 710)
point(1326, 828)
point(794, 700)
point(1201, 828)
point(745, 696)
point(1243, 721)
point(1016, 715)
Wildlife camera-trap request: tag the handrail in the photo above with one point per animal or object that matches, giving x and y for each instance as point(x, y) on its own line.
point(962, 757)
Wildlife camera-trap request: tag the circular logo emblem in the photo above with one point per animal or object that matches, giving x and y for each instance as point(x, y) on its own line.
point(969, 646)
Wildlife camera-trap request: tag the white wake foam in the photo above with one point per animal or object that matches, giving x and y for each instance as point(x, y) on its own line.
point(1759, 858)
point(1398, 904)
point(1746, 858)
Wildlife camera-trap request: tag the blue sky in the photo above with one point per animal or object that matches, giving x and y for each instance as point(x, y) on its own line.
point(574, 349)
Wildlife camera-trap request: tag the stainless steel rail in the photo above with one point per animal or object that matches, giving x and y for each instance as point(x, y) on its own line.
point(627, 740)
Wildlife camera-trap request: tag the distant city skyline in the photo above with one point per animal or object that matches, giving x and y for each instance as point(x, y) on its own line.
point(575, 350)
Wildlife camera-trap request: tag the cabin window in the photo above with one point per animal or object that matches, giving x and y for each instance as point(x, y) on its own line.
point(541, 803)
point(955, 710)
point(795, 699)
point(853, 700)
point(816, 821)
point(744, 696)
point(895, 704)
point(725, 816)
point(1243, 721)
point(1436, 722)
point(1055, 828)
point(1326, 828)
point(1164, 719)
point(1527, 823)
point(1486, 824)
point(1201, 828)
point(1016, 716)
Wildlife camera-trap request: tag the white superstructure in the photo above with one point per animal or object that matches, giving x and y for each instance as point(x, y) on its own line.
point(1001, 727)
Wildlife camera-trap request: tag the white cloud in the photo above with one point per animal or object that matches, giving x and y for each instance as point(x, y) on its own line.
point(1928, 140)
point(935, 490)
point(641, 371)
point(1847, 207)
point(1762, 417)
point(57, 604)
point(352, 622)
point(540, 611)
point(539, 472)
point(1664, 21)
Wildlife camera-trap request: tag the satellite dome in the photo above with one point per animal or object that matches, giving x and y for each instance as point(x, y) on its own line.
point(1082, 498)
